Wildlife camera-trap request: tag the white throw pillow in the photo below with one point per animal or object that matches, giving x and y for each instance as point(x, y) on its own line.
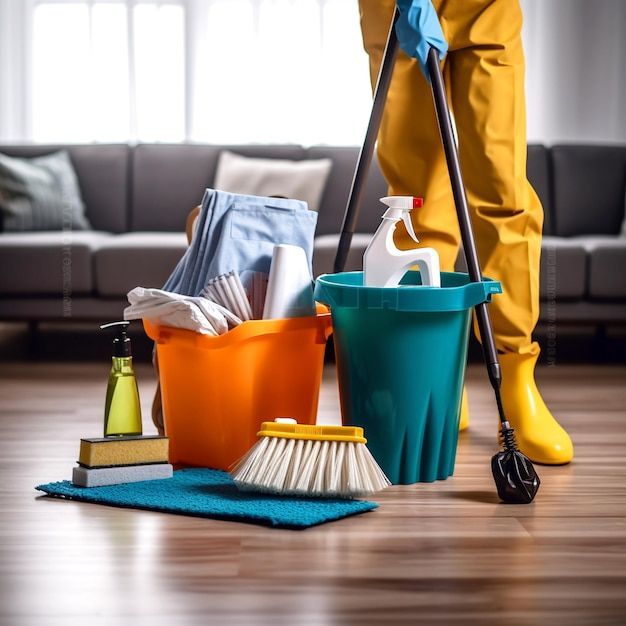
point(300, 180)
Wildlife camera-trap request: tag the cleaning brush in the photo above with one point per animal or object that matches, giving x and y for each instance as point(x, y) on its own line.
point(228, 291)
point(295, 459)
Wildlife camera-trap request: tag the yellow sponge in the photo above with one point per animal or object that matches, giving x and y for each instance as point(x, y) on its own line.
point(114, 451)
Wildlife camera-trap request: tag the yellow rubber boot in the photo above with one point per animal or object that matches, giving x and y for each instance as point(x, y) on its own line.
point(464, 420)
point(539, 436)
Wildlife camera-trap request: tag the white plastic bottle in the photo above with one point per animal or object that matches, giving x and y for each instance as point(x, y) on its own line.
point(289, 287)
point(384, 264)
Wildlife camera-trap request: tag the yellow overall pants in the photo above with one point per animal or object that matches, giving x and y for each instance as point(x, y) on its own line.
point(484, 74)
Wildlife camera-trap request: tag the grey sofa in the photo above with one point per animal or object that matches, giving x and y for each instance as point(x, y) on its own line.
point(138, 197)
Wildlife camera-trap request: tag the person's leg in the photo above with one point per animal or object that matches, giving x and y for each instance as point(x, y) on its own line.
point(486, 74)
point(487, 93)
point(409, 148)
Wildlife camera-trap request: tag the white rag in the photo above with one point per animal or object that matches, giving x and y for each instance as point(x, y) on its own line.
point(172, 309)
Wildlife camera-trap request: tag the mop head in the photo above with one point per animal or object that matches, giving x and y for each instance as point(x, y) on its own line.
point(325, 461)
point(514, 474)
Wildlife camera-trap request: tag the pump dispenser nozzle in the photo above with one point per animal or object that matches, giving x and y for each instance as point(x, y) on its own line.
point(384, 264)
point(122, 411)
point(121, 343)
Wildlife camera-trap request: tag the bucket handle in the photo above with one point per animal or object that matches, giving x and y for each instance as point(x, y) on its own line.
point(325, 329)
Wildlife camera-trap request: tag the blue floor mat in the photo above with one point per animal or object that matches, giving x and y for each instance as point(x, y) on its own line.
point(212, 493)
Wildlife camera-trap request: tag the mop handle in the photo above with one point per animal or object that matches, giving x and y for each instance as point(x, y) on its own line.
point(367, 149)
point(465, 225)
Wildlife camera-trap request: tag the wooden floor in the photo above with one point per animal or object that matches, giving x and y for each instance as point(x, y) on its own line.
point(444, 553)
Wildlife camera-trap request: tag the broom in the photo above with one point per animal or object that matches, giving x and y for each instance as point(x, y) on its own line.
point(301, 460)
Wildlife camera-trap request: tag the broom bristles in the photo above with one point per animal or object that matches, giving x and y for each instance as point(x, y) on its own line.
point(309, 468)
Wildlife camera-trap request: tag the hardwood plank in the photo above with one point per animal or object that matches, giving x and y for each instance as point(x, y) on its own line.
point(441, 553)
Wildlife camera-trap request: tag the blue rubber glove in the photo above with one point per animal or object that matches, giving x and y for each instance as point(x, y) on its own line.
point(418, 30)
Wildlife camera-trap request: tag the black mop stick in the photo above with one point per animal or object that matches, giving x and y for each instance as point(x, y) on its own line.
point(514, 474)
point(367, 150)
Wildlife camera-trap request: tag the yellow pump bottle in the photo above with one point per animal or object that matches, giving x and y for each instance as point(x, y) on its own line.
point(122, 410)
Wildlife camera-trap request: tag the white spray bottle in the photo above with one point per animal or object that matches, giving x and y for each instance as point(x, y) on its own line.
point(384, 264)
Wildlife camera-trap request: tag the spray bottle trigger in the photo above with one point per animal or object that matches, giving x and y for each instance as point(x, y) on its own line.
point(406, 218)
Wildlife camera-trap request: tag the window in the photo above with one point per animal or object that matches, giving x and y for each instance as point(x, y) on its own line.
point(240, 71)
point(220, 71)
point(284, 71)
point(108, 71)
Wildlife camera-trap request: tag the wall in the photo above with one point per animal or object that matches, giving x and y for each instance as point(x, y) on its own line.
point(576, 74)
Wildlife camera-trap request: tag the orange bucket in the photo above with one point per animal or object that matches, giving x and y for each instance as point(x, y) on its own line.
point(216, 391)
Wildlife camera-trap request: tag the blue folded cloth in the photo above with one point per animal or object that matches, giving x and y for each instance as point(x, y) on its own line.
point(211, 493)
point(239, 232)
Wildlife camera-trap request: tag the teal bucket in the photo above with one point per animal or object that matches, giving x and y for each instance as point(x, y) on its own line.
point(401, 354)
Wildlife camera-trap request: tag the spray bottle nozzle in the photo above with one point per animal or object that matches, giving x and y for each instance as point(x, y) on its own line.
point(399, 208)
point(121, 343)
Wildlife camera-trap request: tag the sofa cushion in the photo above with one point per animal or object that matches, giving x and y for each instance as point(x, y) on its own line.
point(589, 184)
point(325, 250)
point(102, 172)
point(136, 259)
point(607, 267)
point(169, 180)
point(563, 269)
point(45, 263)
point(622, 230)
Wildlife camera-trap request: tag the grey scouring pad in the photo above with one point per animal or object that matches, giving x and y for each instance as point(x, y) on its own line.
point(102, 476)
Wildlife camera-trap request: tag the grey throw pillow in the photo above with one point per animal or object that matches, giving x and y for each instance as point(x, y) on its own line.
point(41, 193)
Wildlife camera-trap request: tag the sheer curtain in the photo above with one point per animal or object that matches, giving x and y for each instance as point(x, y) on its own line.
point(241, 71)
point(105, 71)
point(14, 67)
point(278, 71)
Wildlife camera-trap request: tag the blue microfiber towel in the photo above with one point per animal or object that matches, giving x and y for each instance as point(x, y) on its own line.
point(238, 232)
point(212, 493)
